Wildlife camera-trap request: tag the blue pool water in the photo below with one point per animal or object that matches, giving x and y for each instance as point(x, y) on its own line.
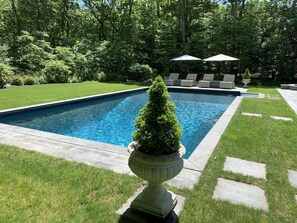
point(111, 119)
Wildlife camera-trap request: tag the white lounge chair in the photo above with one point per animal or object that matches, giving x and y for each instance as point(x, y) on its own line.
point(172, 79)
point(189, 81)
point(228, 81)
point(206, 81)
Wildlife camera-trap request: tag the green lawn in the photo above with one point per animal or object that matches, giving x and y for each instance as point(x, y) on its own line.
point(256, 139)
point(29, 95)
point(35, 187)
point(38, 188)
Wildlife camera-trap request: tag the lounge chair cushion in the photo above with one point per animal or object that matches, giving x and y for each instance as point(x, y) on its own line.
point(172, 79)
point(206, 82)
point(228, 81)
point(189, 81)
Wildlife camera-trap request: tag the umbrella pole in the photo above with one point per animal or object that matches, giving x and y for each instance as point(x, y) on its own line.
point(219, 70)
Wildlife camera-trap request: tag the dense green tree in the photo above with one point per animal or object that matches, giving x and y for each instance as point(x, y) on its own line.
point(4, 50)
point(32, 52)
point(92, 36)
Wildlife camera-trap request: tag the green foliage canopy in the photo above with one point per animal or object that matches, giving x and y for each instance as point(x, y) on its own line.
point(110, 36)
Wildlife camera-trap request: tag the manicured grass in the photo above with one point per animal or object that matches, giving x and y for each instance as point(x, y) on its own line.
point(35, 187)
point(29, 95)
point(256, 139)
point(39, 188)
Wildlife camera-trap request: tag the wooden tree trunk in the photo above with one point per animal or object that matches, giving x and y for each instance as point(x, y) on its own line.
point(182, 20)
point(158, 8)
point(17, 18)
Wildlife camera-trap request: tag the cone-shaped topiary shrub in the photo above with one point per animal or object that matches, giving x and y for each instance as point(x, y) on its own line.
point(158, 131)
point(246, 74)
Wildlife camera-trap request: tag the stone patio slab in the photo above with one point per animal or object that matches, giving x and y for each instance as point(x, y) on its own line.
point(273, 97)
point(281, 118)
point(185, 179)
point(244, 167)
point(251, 114)
point(240, 193)
point(293, 177)
point(290, 97)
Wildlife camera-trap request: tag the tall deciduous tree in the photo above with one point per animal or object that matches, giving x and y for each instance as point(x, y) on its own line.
point(110, 35)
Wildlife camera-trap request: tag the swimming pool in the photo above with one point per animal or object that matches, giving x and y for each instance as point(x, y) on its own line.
point(111, 119)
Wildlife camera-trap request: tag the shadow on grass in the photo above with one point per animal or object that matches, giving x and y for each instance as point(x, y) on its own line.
point(132, 216)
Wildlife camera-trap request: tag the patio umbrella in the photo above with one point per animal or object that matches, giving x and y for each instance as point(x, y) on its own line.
point(219, 58)
point(185, 57)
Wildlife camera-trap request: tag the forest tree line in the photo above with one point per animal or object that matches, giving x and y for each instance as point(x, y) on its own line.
point(69, 40)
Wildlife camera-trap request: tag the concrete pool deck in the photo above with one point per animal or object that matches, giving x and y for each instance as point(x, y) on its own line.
point(109, 156)
point(290, 97)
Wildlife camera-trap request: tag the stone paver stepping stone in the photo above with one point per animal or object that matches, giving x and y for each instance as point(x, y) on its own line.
point(240, 193)
point(281, 118)
point(293, 177)
point(273, 97)
point(247, 168)
point(251, 114)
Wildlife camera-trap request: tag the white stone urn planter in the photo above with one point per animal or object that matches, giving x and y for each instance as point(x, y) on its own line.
point(155, 169)
point(246, 82)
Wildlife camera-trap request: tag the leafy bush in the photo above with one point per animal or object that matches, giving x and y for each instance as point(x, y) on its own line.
point(56, 71)
point(101, 76)
point(74, 79)
point(140, 72)
point(158, 131)
point(30, 80)
point(41, 79)
point(115, 77)
point(17, 80)
point(5, 73)
point(65, 54)
point(88, 76)
point(4, 58)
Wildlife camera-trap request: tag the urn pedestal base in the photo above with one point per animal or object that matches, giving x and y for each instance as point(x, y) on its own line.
point(155, 200)
point(133, 216)
point(155, 169)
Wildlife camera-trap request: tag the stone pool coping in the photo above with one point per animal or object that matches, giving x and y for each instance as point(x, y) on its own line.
point(109, 156)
